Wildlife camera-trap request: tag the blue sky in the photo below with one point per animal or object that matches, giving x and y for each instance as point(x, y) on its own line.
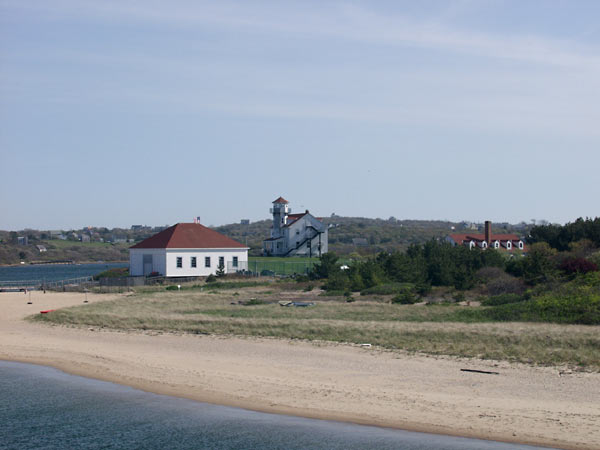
point(115, 113)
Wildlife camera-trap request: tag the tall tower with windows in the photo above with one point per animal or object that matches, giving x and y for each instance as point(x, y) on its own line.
point(280, 212)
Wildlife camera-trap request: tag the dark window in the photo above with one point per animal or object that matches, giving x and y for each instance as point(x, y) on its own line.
point(235, 261)
point(179, 262)
point(297, 244)
point(221, 261)
point(193, 261)
point(207, 261)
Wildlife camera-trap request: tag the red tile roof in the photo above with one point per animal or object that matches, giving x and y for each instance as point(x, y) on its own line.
point(188, 235)
point(281, 200)
point(460, 238)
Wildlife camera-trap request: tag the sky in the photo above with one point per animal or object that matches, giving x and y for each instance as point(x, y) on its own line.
point(122, 112)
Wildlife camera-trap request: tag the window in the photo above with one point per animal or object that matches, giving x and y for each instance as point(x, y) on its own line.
point(179, 262)
point(193, 262)
point(207, 261)
point(297, 244)
point(521, 245)
point(221, 261)
point(235, 261)
point(297, 231)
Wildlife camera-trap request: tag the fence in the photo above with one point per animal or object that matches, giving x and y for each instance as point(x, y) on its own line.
point(265, 268)
point(56, 285)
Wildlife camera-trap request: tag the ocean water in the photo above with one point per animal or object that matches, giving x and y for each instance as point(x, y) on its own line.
point(54, 272)
point(44, 408)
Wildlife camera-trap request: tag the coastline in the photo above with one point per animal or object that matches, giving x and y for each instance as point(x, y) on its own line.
point(346, 383)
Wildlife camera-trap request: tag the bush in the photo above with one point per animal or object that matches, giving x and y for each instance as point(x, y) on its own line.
point(333, 293)
point(337, 281)
point(388, 289)
point(503, 299)
point(254, 301)
point(406, 298)
point(116, 272)
point(572, 266)
point(172, 288)
point(407, 295)
point(210, 279)
point(308, 288)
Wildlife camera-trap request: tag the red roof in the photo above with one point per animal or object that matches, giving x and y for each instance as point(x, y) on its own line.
point(460, 238)
point(281, 200)
point(188, 235)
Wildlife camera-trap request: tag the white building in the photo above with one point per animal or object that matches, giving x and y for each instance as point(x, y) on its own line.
point(295, 234)
point(186, 250)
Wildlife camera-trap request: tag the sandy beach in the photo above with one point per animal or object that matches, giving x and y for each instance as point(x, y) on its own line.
point(535, 405)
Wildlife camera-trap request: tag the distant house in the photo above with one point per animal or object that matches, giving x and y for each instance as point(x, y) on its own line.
point(55, 234)
point(508, 242)
point(42, 248)
point(295, 234)
point(85, 238)
point(186, 250)
point(22, 240)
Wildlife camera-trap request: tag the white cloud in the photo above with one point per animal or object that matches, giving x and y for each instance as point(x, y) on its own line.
point(343, 21)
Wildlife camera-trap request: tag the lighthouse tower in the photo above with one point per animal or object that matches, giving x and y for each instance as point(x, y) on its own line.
point(280, 212)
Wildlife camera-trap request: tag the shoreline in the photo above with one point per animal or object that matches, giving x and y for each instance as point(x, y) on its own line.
point(525, 405)
point(50, 263)
point(289, 411)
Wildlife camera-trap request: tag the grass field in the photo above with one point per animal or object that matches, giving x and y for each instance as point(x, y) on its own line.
point(433, 329)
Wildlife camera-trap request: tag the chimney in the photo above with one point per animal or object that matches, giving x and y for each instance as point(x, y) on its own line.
point(488, 231)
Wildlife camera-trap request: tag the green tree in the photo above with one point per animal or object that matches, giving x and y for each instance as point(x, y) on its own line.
point(327, 265)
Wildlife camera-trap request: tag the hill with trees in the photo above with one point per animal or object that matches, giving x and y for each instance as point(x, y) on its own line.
point(348, 236)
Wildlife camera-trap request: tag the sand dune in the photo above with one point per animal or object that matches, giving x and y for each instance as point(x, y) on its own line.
point(364, 385)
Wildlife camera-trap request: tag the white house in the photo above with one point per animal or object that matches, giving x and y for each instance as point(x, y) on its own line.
point(295, 234)
point(186, 250)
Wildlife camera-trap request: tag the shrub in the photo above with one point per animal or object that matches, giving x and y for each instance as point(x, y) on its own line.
point(301, 278)
point(503, 299)
point(388, 289)
point(172, 288)
point(333, 293)
point(572, 266)
point(406, 298)
point(254, 301)
point(115, 272)
point(210, 279)
point(308, 288)
point(337, 281)
point(407, 295)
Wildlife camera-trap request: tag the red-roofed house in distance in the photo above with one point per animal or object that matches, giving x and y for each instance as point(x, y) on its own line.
point(186, 250)
point(295, 234)
point(507, 242)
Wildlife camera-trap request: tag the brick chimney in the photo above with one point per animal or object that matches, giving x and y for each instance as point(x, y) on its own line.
point(488, 232)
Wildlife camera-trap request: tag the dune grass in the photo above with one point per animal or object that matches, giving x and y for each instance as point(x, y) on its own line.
point(442, 329)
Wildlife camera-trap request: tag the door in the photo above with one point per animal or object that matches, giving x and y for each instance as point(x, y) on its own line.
point(147, 265)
